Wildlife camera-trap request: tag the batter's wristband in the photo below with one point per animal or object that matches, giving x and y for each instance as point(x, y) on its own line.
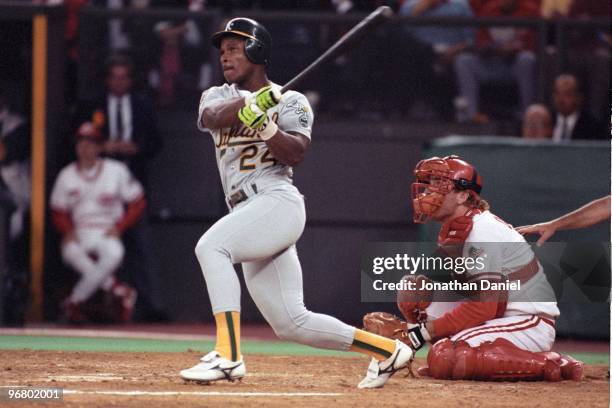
point(249, 100)
point(269, 129)
point(417, 335)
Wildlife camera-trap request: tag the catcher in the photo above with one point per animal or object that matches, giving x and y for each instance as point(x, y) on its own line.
point(494, 337)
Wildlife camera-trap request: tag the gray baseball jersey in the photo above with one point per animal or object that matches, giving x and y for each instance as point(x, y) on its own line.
point(242, 157)
point(275, 216)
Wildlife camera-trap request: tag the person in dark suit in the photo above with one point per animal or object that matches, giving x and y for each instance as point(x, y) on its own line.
point(129, 125)
point(572, 121)
point(126, 118)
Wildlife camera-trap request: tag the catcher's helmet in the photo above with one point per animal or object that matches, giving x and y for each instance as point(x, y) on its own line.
point(436, 177)
point(258, 40)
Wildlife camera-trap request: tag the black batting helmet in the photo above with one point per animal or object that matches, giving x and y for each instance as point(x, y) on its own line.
point(258, 40)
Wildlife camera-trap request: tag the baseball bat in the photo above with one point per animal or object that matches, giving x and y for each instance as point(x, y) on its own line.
point(378, 16)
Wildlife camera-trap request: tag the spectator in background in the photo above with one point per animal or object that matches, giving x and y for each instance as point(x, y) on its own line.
point(586, 49)
point(572, 121)
point(168, 53)
point(179, 62)
point(118, 39)
point(15, 161)
point(588, 55)
point(127, 119)
point(342, 90)
point(15, 189)
point(537, 122)
point(501, 54)
point(130, 35)
point(129, 123)
point(71, 38)
point(555, 8)
point(87, 205)
point(445, 42)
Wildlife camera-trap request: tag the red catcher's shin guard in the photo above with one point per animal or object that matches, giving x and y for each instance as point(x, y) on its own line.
point(497, 360)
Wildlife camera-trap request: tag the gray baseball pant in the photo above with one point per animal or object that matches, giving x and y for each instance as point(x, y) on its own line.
point(261, 234)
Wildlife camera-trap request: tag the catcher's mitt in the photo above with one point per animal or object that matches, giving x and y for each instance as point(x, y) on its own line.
point(386, 325)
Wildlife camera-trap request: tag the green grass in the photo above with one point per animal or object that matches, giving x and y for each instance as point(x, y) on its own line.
point(15, 342)
point(592, 358)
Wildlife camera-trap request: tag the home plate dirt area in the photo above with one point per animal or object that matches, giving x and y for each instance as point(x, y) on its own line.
point(102, 379)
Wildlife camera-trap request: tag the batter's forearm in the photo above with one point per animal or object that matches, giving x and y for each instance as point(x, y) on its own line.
point(587, 215)
point(287, 148)
point(223, 114)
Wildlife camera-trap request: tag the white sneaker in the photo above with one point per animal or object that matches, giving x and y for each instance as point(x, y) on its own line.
point(380, 371)
point(213, 367)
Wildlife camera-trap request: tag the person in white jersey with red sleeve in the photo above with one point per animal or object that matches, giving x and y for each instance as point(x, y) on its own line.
point(94, 200)
point(491, 334)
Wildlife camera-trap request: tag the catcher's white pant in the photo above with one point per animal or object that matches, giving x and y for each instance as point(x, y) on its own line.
point(94, 274)
point(527, 332)
point(261, 233)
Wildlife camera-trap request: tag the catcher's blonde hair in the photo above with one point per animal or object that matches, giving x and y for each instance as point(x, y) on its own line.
point(475, 202)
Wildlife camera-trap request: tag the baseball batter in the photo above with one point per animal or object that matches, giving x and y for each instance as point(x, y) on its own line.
point(505, 335)
point(88, 208)
point(259, 136)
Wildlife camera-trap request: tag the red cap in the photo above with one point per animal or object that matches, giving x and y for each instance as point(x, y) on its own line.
point(88, 131)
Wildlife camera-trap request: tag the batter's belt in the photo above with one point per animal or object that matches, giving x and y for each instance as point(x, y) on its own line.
point(249, 190)
point(239, 196)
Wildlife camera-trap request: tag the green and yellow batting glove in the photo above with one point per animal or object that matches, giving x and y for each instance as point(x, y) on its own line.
point(252, 116)
point(267, 97)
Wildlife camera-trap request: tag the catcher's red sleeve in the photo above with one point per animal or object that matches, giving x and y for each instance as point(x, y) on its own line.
point(464, 316)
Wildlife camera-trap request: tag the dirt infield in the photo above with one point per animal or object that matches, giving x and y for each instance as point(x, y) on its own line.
point(96, 379)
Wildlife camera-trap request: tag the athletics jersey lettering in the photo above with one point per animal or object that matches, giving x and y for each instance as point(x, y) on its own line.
point(243, 134)
point(242, 157)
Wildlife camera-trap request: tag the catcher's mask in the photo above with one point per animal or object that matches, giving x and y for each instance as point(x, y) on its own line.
point(435, 178)
point(258, 45)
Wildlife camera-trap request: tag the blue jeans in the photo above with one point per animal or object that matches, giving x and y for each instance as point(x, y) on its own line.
point(473, 70)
